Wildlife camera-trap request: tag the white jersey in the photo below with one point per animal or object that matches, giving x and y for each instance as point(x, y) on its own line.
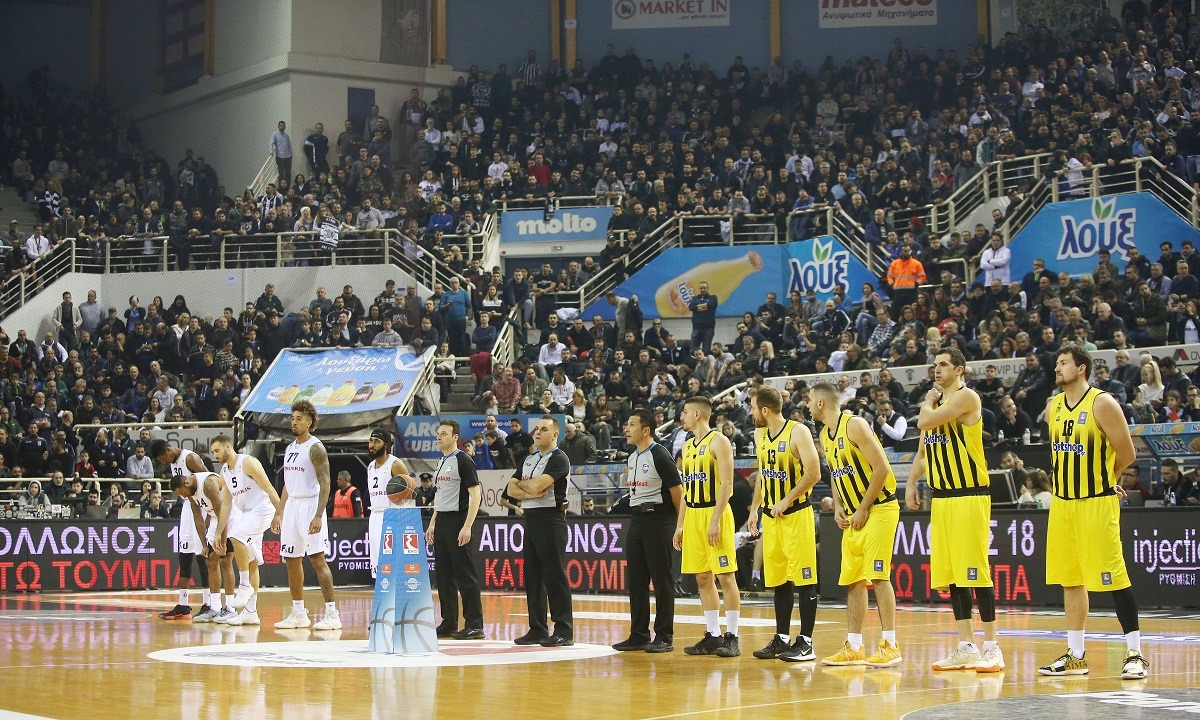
point(299, 473)
point(179, 468)
point(247, 495)
point(377, 481)
point(206, 508)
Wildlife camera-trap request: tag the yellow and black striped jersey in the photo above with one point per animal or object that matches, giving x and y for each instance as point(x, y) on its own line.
point(1082, 455)
point(954, 456)
point(779, 470)
point(701, 479)
point(850, 470)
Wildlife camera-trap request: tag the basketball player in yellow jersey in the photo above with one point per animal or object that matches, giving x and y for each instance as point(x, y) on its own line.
point(788, 468)
point(951, 455)
point(865, 507)
point(704, 531)
point(1090, 447)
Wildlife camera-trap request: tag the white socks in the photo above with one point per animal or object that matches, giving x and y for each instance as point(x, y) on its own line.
point(297, 606)
point(183, 597)
point(252, 603)
point(890, 637)
point(784, 638)
point(855, 640)
point(1133, 640)
point(968, 646)
point(731, 621)
point(330, 608)
point(990, 645)
point(1075, 642)
point(712, 622)
point(226, 602)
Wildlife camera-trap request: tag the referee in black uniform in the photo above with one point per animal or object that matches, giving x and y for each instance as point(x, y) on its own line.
point(541, 487)
point(450, 534)
point(655, 492)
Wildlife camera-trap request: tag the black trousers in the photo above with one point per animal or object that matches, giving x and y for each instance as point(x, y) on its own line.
point(648, 553)
point(545, 556)
point(456, 573)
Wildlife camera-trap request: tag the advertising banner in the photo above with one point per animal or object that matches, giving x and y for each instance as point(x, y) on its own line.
point(740, 277)
point(338, 381)
point(655, 14)
point(416, 437)
point(1173, 440)
point(876, 13)
point(1162, 554)
point(1068, 235)
point(402, 616)
point(573, 224)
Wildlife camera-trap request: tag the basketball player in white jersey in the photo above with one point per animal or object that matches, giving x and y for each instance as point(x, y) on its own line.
point(204, 489)
point(247, 491)
point(383, 467)
point(301, 526)
point(181, 462)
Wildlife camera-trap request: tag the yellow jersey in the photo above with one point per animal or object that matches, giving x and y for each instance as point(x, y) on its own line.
point(850, 471)
point(954, 456)
point(779, 470)
point(1082, 455)
point(701, 479)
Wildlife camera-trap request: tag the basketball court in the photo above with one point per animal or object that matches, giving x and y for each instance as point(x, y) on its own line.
point(87, 656)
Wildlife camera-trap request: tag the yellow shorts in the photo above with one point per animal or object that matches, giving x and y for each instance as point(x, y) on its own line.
point(1083, 544)
point(867, 553)
point(698, 555)
point(789, 549)
point(959, 538)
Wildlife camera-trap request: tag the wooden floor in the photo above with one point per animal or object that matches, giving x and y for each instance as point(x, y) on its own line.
point(75, 656)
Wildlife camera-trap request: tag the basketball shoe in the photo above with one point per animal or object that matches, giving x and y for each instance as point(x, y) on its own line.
point(1135, 666)
point(298, 619)
point(886, 655)
point(964, 657)
point(331, 621)
point(1066, 664)
point(847, 656)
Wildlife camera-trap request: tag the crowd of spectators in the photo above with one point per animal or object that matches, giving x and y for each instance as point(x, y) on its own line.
point(876, 137)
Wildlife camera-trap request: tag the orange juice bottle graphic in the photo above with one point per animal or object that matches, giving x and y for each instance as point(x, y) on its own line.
point(289, 395)
point(379, 393)
point(322, 395)
point(723, 278)
point(343, 395)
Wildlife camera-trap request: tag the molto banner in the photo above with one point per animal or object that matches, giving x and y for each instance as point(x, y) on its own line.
point(565, 224)
point(1161, 548)
point(338, 381)
point(654, 14)
point(740, 277)
point(875, 13)
point(1069, 235)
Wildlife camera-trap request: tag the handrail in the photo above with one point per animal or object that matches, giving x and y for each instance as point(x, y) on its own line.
point(259, 184)
point(559, 202)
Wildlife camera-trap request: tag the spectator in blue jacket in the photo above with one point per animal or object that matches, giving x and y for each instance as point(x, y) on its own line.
point(439, 219)
point(456, 303)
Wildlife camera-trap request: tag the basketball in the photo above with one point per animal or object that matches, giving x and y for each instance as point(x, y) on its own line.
point(401, 488)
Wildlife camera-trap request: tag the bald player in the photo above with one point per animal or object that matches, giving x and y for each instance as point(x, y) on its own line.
point(865, 507)
point(704, 530)
point(205, 488)
point(181, 461)
point(788, 468)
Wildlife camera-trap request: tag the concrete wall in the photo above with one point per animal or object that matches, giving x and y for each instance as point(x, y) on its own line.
point(133, 65)
point(330, 28)
point(489, 32)
point(249, 32)
point(38, 33)
point(207, 292)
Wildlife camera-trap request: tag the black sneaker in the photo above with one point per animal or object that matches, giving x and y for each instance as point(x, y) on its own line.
point(179, 612)
point(468, 634)
point(772, 650)
point(444, 631)
point(661, 644)
point(530, 638)
point(557, 641)
point(730, 646)
point(707, 646)
point(630, 645)
point(800, 651)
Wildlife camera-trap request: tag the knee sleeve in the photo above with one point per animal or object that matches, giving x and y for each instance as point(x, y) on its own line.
point(985, 598)
point(960, 601)
point(808, 609)
point(185, 565)
point(1127, 610)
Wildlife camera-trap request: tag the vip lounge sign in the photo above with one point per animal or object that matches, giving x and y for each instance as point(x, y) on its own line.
point(836, 14)
point(1070, 235)
point(655, 14)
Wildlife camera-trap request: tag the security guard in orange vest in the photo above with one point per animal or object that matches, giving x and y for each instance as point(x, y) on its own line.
point(347, 502)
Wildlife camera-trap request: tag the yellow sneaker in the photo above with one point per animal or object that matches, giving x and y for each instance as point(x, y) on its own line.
point(847, 656)
point(887, 655)
point(1066, 664)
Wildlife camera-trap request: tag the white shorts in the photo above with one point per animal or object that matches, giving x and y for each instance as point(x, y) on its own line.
point(190, 540)
point(247, 527)
point(294, 538)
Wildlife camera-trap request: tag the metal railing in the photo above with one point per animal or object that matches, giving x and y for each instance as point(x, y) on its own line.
point(285, 249)
point(666, 235)
point(559, 202)
point(266, 174)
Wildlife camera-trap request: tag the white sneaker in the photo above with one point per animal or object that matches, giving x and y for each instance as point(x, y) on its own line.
point(241, 597)
point(223, 617)
point(298, 619)
point(206, 615)
point(961, 659)
point(331, 621)
point(1135, 667)
point(990, 660)
point(245, 617)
